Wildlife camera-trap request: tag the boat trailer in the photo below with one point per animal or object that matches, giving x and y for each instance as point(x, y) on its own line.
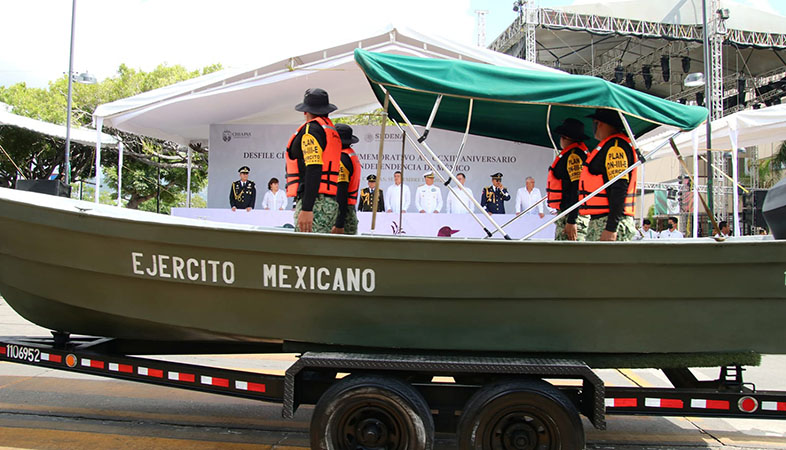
point(401, 400)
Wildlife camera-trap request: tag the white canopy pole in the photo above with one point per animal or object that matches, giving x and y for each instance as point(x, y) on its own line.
point(188, 180)
point(733, 136)
point(120, 174)
point(695, 140)
point(99, 127)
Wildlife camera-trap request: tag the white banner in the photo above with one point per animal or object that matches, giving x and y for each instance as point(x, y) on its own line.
point(261, 147)
point(412, 224)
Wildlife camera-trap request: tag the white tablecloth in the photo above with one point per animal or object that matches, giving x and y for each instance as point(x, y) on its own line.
point(414, 224)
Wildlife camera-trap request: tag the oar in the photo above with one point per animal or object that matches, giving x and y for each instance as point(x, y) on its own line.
point(701, 197)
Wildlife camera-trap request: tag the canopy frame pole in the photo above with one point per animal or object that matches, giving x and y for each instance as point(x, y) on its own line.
point(600, 189)
point(695, 142)
point(442, 166)
point(375, 201)
point(548, 130)
point(522, 213)
point(401, 188)
point(188, 179)
point(430, 118)
point(441, 178)
point(463, 139)
point(120, 174)
point(632, 137)
point(99, 127)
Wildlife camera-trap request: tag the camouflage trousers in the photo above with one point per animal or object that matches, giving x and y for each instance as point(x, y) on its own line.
point(581, 228)
point(325, 213)
point(626, 229)
point(351, 221)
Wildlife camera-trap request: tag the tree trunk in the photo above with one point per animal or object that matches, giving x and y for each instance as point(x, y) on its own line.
point(135, 200)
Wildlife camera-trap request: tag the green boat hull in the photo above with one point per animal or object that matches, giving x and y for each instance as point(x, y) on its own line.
point(116, 273)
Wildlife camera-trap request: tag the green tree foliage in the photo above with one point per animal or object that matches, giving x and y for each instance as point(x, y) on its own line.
point(771, 170)
point(37, 156)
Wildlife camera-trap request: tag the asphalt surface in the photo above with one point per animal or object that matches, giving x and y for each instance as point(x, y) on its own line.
point(48, 409)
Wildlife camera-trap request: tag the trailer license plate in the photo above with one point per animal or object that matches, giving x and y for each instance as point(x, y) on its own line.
point(23, 353)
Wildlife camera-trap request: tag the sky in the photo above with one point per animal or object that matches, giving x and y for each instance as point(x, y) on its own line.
point(236, 33)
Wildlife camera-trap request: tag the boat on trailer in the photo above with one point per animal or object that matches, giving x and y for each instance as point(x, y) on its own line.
point(81, 268)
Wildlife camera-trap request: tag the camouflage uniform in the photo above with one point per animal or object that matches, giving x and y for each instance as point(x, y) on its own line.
point(581, 228)
point(626, 229)
point(351, 222)
point(325, 213)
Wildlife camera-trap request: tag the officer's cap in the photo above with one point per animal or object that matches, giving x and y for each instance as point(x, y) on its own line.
point(496, 176)
point(428, 174)
point(371, 177)
point(244, 169)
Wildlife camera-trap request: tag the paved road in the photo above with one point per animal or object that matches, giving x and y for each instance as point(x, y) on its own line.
point(48, 409)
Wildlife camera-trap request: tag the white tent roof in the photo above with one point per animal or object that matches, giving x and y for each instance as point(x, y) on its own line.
point(754, 127)
point(268, 93)
point(83, 136)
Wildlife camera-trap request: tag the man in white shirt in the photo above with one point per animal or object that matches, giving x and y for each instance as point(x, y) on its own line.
point(645, 232)
point(428, 198)
point(453, 205)
point(393, 195)
point(672, 232)
point(725, 230)
point(528, 196)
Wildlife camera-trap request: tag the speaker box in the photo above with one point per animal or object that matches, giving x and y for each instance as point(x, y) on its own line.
point(51, 187)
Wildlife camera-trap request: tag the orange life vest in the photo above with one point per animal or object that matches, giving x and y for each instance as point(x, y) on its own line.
point(589, 183)
point(554, 184)
point(354, 181)
point(331, 159)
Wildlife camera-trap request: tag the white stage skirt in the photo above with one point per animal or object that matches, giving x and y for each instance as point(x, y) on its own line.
point(413, 224)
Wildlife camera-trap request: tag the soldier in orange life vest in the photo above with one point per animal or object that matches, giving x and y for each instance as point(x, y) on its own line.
point(611, 211)
point(312, 165)
point(563, 181)
point(348, 183)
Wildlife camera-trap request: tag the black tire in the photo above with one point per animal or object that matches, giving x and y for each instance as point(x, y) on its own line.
point(372, 412)
point(520, 415)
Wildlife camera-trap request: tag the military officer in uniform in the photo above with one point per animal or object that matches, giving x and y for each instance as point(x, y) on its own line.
point(494, 196)
point(367, 196)
point(243, 193)
point(428, 198)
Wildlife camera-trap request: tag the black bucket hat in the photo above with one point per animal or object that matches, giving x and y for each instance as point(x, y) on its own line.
point(347, 138)
point(572, 129)
point(608, 116)
point(316, 101)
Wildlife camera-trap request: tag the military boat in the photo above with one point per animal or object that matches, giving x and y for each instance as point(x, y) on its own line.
point(78, 267)
point(82, 268)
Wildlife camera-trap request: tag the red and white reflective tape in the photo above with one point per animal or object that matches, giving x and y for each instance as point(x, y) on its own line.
point(92, 363)
point(621, 403)
point(51, 358)
point(699, 403)
point(671, 403)
point(213, 381)
point(124, 368)
point(773, 406)
point(148, 372)
point(249, 386)
point(178, 376)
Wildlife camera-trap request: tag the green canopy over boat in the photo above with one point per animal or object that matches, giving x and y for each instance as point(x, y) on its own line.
point(511, 104)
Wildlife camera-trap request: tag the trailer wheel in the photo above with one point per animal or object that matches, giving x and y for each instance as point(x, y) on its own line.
point(520, 415)
point(372, 412)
